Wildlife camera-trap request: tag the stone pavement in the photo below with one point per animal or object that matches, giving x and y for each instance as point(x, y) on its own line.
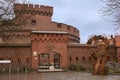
point(57, 76)
point(76, 76)
point(30, 76)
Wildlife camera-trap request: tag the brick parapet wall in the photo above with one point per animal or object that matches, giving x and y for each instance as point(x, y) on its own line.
point(71, 30)
point(36, 9)
point(16, 37)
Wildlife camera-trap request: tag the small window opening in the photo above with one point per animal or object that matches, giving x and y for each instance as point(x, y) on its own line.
point(19, 61)
point(27, 60)
point(76, 58)
point(33, 22)
point(83, 58)
point(70, 59)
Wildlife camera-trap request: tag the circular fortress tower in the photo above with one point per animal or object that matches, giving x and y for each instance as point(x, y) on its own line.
point(49, 39)
point(39, 19)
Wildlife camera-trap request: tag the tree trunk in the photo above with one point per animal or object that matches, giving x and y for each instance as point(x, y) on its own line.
point(96, 66)
point(99, 67)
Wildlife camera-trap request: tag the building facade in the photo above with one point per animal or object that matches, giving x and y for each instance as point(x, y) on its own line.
point(42, 43)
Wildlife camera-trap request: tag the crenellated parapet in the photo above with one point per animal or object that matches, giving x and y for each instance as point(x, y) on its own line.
point(49, 36)
point(73, 33)
point(71, 30)
point(33, 9)
point(67, 28)
point(16, 37)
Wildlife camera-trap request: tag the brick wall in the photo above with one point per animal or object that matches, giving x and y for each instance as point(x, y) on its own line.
point(117, 43)
point(20, 56)
point(79, 54)
point(50, 43)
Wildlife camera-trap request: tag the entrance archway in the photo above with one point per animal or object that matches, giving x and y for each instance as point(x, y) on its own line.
point(44, 61)
point(49, 60)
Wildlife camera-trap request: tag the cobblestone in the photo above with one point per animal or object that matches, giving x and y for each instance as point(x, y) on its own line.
point(76, 76)
point(30, 76)
point(57, 76)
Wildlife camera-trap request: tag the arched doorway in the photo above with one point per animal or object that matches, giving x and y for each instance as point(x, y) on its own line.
point(48, 60)
point(44, 61)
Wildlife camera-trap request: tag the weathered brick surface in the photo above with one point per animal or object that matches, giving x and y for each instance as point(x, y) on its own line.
point(80, 54)
point(57, 41)
point(20, 57)
point(117, 41)
point(50, 45)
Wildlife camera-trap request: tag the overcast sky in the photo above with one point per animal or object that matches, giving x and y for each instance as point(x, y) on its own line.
point(83, 14)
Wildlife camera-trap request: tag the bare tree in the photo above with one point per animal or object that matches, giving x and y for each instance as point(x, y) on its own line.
point(11, 20)
point(99, 54)
point(112, 11)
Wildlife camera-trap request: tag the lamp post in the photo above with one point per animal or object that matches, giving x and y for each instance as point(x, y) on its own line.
point(35, 55)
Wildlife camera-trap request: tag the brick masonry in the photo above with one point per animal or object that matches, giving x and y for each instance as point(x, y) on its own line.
point(41, 35)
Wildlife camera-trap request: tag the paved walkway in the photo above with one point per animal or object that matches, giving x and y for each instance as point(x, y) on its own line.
point(76, 76)
point(57, 76)
point(30, 76)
